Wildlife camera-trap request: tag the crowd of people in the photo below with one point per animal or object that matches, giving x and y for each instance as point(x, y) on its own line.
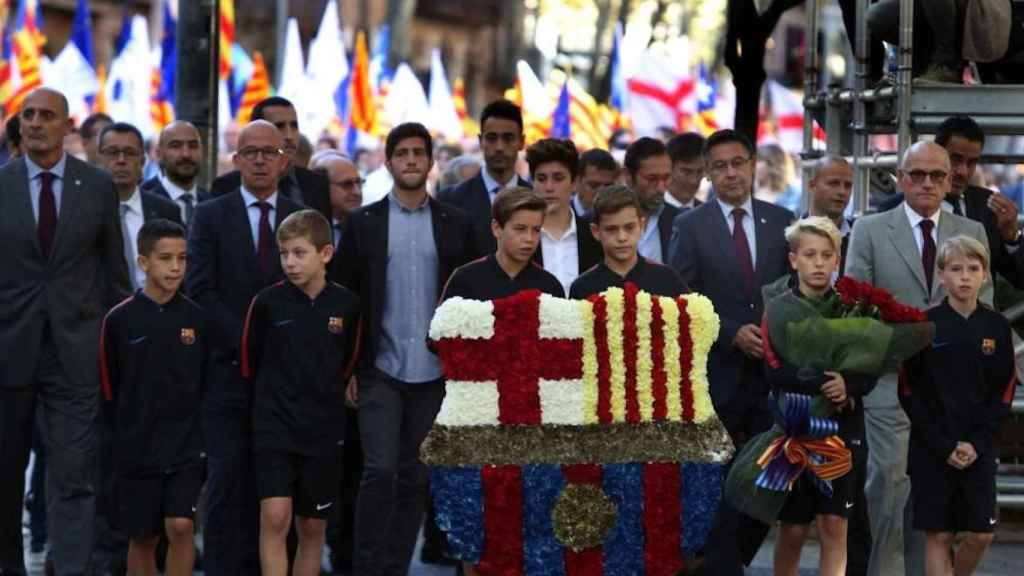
point(263, 371)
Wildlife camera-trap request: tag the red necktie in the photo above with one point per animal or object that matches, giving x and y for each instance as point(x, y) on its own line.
point(928, 251)
point(47, 212)
point(739, 236)
point(265, 237)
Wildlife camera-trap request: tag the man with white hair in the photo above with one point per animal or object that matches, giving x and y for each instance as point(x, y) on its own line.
point(346, 186)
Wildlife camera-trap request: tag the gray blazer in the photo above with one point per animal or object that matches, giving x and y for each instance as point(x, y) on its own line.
point(84, 276)
point(883, 252)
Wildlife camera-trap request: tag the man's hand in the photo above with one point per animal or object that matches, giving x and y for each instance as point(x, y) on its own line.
point(352, 392)
point(835, 388)
point(748, 339)
point(967, 453)
point(1006, 216)
point(956, 460)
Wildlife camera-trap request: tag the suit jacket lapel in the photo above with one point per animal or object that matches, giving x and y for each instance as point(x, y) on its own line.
point(70, 193)
point(22, 199)
point(718, 230)
point(243, 231)
point(902, 238)
point(480, 201)
point(378, 248)
point(761, 242)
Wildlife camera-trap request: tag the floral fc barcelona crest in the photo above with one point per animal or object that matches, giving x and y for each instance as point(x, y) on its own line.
point(335, 324)
point(988, 346)
point(188, 336)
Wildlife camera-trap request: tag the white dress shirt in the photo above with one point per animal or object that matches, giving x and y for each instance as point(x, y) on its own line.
point(748, 224)
point(177, 192)
point(673, 201)
point(254, 214)
point(132, 222)
point(493, 186)
point(561, 255)
point(915, 225)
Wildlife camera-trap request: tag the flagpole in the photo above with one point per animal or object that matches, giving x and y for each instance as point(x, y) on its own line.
point(196, 94)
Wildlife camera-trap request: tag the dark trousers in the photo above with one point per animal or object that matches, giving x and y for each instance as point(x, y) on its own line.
point(735, 537)
point(231, 533)
point(67, 413)
point(341, 526)
point(36, 504)
point(858, 531)
point(394, 419)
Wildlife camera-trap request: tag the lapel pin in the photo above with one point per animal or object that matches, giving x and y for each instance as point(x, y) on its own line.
point(764, 221)
point(78, 182)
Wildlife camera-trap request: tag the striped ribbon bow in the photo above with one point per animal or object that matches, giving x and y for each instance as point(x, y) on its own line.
point(807, 443)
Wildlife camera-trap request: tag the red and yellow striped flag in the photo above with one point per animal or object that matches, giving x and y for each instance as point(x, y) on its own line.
point(363, 115)
point(257, 89)
point(99, 104)
point(161, 112)
point(227, 36)
point(469, 125)
point(27, 43)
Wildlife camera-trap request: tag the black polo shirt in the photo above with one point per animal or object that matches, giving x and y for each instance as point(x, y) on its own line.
point(960, 388)
point(152, 366)
point(299, 353)
point(484, 279)
point(648, 276)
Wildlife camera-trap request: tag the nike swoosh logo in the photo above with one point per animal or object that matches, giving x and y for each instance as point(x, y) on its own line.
point(939, 344)
point(280, 323)
point(193, 509)
point(321, 507)
point(849, 505)
point(138, 340)
point(992, 521)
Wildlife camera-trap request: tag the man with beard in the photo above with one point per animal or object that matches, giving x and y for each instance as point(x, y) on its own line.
point(501, 139)
point(649, 169)
point(297, 183)
point(179, 150)
point(397, 254)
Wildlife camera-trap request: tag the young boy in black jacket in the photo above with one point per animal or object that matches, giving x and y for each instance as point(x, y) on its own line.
point(298, 346)
point(814, 248)
point(153, 351)
point(956, 394)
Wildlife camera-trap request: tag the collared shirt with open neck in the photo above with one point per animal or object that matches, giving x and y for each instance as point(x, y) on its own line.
point(35, 183)
point(650, 241)
point(915, 225)
point(561, 255)
point(176, 192)
point(253, 212)
point(674, 202)
point(748, 223)
point(493, 186)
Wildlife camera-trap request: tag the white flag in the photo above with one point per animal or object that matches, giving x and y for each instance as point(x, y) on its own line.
point(326, 70)
point(443, 117)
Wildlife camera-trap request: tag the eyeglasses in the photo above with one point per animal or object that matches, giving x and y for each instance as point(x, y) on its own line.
point(350, 183)
point(737, 163)
point(936, 176)
point(268, 153)
point(128, 153)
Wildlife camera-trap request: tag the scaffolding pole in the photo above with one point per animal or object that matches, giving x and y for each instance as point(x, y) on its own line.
point(861, 174)
point(811, 73)
point(905, 73)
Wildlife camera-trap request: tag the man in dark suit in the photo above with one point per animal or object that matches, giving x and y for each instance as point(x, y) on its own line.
point(501, 139)
point(964, 141)
point(63, 268)
point(567, 248)
point(727, 249)
point(179, 151)
point(684, 150)
point(297, 183)
point(122, 154)
point(598, 169)
point(648, 171)
point(397, 254)
point(232, 254)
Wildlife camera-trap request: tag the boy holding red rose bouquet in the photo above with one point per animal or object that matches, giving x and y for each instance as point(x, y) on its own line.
point(814, 254)
point(956, 394)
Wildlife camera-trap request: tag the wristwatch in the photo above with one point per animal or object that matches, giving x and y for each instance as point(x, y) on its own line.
point(1016, 239)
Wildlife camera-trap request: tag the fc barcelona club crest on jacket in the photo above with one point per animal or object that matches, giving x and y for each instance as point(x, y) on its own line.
point(988, 346)
point(188, 336)
point(335, 324)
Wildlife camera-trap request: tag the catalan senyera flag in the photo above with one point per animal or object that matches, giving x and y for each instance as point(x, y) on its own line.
point(591, 124)
point(257, 89)
point(26, 49)
point(161, 88)
point(469, 126)
point(226, 36)
point(99, 104)
point(363, 111)
point(707, 93)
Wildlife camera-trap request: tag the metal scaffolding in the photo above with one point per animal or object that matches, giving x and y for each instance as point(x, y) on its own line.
point(904, 109)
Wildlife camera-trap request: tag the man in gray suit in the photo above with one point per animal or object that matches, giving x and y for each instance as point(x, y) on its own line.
point(63, 269)
point(895, 250)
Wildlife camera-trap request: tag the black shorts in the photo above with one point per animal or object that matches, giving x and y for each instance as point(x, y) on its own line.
point(950, 500)
point(310, 481)
point(806, 501)
point(143, 502)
